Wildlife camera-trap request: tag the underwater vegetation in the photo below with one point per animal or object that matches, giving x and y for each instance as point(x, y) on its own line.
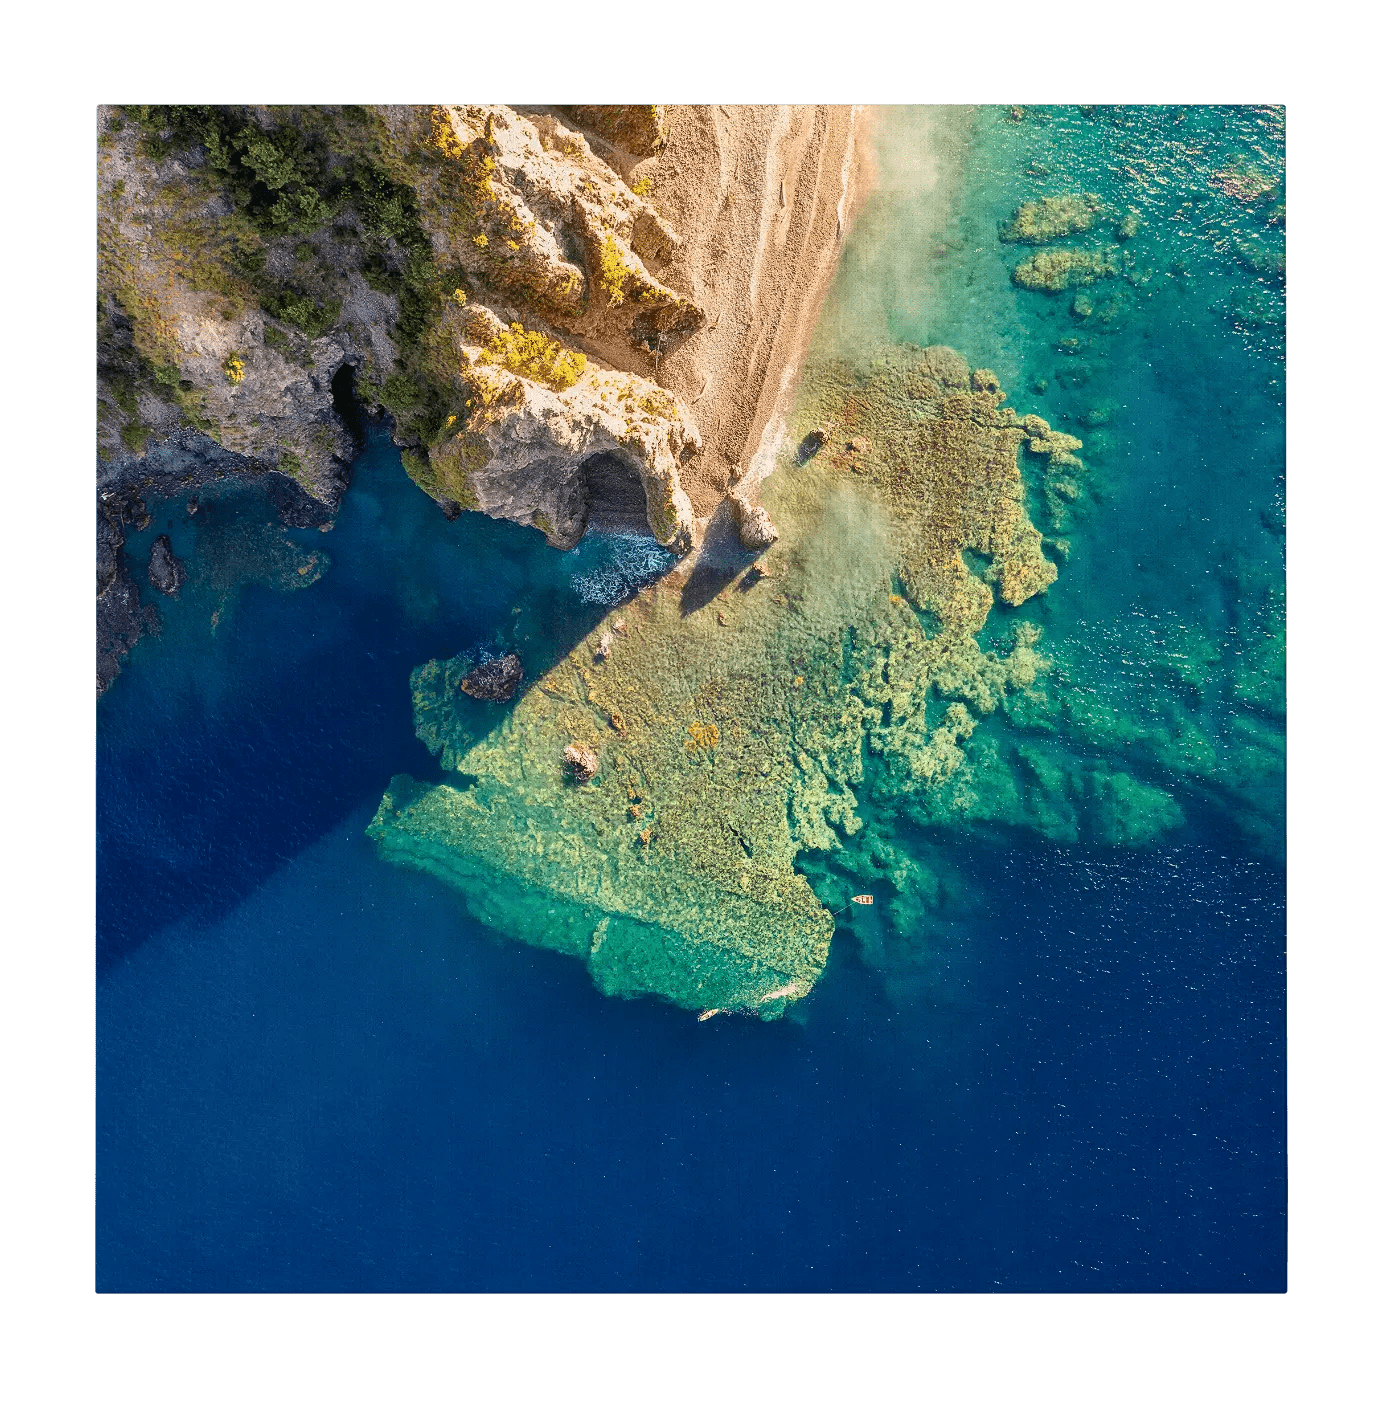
point(1053, 216)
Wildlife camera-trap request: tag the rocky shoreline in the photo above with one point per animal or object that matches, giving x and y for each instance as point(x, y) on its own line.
point(524, 293)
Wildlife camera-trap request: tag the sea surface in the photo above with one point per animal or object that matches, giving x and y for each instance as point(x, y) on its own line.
point(316, 1072)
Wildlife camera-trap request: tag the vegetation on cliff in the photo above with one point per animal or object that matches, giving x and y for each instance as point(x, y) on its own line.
point(244, 249)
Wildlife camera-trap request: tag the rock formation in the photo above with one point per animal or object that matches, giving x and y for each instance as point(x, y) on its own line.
point(523, 305)
point(1051, 217)
point(165, 571)
point(495, 680)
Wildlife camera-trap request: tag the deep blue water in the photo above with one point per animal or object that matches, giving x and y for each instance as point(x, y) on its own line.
point(315, 1072)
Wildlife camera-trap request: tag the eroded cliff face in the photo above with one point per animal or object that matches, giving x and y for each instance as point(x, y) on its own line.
point(503, 282)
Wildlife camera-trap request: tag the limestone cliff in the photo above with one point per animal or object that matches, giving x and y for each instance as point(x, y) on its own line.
point(510, 285)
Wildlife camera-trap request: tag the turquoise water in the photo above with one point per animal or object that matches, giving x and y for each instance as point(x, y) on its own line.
point(1167, 621)
point(1040, 1061)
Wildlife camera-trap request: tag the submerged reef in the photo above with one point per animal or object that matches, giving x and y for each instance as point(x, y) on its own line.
point(732, 726)
point(1053, 216)
point(1058, 268)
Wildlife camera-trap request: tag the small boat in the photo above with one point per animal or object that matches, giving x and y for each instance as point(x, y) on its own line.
point(712, 1012)
point(862, 899)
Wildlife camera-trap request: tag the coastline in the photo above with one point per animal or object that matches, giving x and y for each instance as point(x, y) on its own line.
point(761, 252)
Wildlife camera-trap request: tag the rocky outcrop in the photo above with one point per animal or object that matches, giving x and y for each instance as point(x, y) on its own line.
point(478, 273)
point(191, 356)
point(121, 619)
point(497, 679)
point(165, 571)
point(534, 416)
point(756, 528)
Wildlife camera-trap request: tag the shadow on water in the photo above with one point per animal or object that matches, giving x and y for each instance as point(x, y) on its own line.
point(267, 710)
point(722, 559)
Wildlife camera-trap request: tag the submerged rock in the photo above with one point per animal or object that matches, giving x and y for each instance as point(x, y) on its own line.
point(581, 762)
point(495, 680)
point(1059, 268)
point(165, 571)
point(1053, 216)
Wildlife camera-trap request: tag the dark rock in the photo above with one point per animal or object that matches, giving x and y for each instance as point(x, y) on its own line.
point(295, 507)
point(495, 680)
point(166, 572)
point(120, 622)
point(811, 445)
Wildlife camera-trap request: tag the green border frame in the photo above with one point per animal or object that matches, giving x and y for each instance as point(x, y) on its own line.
point(1318, 1340)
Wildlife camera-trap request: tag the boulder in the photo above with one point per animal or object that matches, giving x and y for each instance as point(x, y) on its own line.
point(495, 680)
point(581, 762)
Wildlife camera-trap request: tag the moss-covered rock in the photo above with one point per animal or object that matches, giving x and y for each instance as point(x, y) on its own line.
point(1059, 268)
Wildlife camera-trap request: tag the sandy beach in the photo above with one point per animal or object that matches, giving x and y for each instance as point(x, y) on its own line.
point(765, 195)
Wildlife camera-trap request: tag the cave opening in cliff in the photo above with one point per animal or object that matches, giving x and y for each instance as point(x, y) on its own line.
point(617, 502)
point(347, 404)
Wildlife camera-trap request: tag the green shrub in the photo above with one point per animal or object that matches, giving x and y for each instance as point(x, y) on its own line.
point(310, 315)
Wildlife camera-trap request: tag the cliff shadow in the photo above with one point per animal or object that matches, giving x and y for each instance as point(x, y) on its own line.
point(722, 558)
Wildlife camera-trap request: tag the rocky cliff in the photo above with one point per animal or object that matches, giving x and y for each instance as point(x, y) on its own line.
point(560, 309)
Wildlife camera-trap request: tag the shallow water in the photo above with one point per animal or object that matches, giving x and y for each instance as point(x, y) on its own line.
point(316, 1072)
